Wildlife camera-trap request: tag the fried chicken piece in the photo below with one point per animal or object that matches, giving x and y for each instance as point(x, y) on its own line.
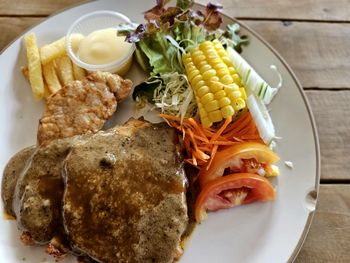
point(82, 106)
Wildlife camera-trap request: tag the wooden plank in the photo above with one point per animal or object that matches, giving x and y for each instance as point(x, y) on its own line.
point(315, 51)
point(287, 9)
point(332, 114)
point(34, 7)
point(329, 236)
point(273, 9)
point(10, 28)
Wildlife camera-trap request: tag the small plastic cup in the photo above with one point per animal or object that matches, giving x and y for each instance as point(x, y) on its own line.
point(96, 21)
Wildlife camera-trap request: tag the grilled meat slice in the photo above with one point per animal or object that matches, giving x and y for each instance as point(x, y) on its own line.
point(124, 198)
point(12, 171)
point(38, 193)
point(82, 106)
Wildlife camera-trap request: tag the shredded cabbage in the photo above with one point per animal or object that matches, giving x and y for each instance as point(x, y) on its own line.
point(174, 95)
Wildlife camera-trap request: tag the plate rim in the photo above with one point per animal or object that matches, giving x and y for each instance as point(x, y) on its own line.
point(311, 214)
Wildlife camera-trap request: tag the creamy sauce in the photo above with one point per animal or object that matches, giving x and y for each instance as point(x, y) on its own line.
point(102, 47)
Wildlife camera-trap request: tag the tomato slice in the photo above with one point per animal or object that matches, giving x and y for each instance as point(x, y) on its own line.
point(232, 190)
point(232, 158)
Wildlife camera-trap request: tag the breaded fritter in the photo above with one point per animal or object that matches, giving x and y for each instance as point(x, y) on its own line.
point(82, 106)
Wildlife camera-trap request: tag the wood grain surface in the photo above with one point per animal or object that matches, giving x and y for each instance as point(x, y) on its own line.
point(313, 36)
point(325, 10)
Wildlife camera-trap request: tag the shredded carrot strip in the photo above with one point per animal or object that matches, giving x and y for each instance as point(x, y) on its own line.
point(222, 128)
point(215, 149)
point(202, 144)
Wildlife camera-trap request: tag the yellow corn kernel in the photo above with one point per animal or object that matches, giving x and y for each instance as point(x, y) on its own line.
point(215, 116)
point(214, 61)
point(192, 74)
point(202, 63)
point(206, 122)
point(220, 94)
point(187, 60)
point(234, 95)
point(196, 79)
point(224, 102)
point(202, 91)
point(198, 85)
point(198, 59)
point(202, 112)
point(209, 74)
point(205, 45)
point(238, 104)
point(232, 70)
point(227, 111)
point(212, 105)
point(204, 68)
point(214, 79)
point(227, 79)
point(222, 52)
point(190, 67)
point(243, 93)
point(196, 53)
point(215, 86)
point(220, 66)
point(231, 88)
point(207, 98)
point(236, 79)
point(227, 61)
point(223, 72)
point(211, 54)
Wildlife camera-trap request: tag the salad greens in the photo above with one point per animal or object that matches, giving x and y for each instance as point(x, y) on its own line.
point(160, 42)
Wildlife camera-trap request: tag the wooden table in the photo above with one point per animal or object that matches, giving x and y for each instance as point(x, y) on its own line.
point(314, 38)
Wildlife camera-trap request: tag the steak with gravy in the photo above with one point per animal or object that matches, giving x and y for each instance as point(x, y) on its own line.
point(114, 196)
point(124, 198)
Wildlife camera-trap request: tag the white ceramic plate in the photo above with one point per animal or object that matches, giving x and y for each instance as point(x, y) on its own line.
point(261, 232)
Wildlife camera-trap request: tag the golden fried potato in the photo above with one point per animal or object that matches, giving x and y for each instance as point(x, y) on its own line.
point(65, 70)
point(47, 92)
point(58, 48)
point(51, 77)
point(34, 66)
point(79, 73)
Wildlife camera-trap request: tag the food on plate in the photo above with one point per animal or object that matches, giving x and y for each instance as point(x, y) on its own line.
point(110, 191)
point(232, 190)
point(78, 72)
point(120, 195)
point(51, 77)
point(65, 70)
point(52, 67)
point(206, 90)
point(145, 214)
point(102, 47)
point(82, 106)
point(202, 143)
point(216, 84)
point(11, 174)
point(57, 48)
point(34, 66)
point(249, 157)
point(38, 193)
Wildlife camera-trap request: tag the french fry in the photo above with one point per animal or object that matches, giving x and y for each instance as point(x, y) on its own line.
point(47, 92)
point(51, 77)
point(58, 48)
point(79, 73)
point(34, 66)
point(65, 70)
